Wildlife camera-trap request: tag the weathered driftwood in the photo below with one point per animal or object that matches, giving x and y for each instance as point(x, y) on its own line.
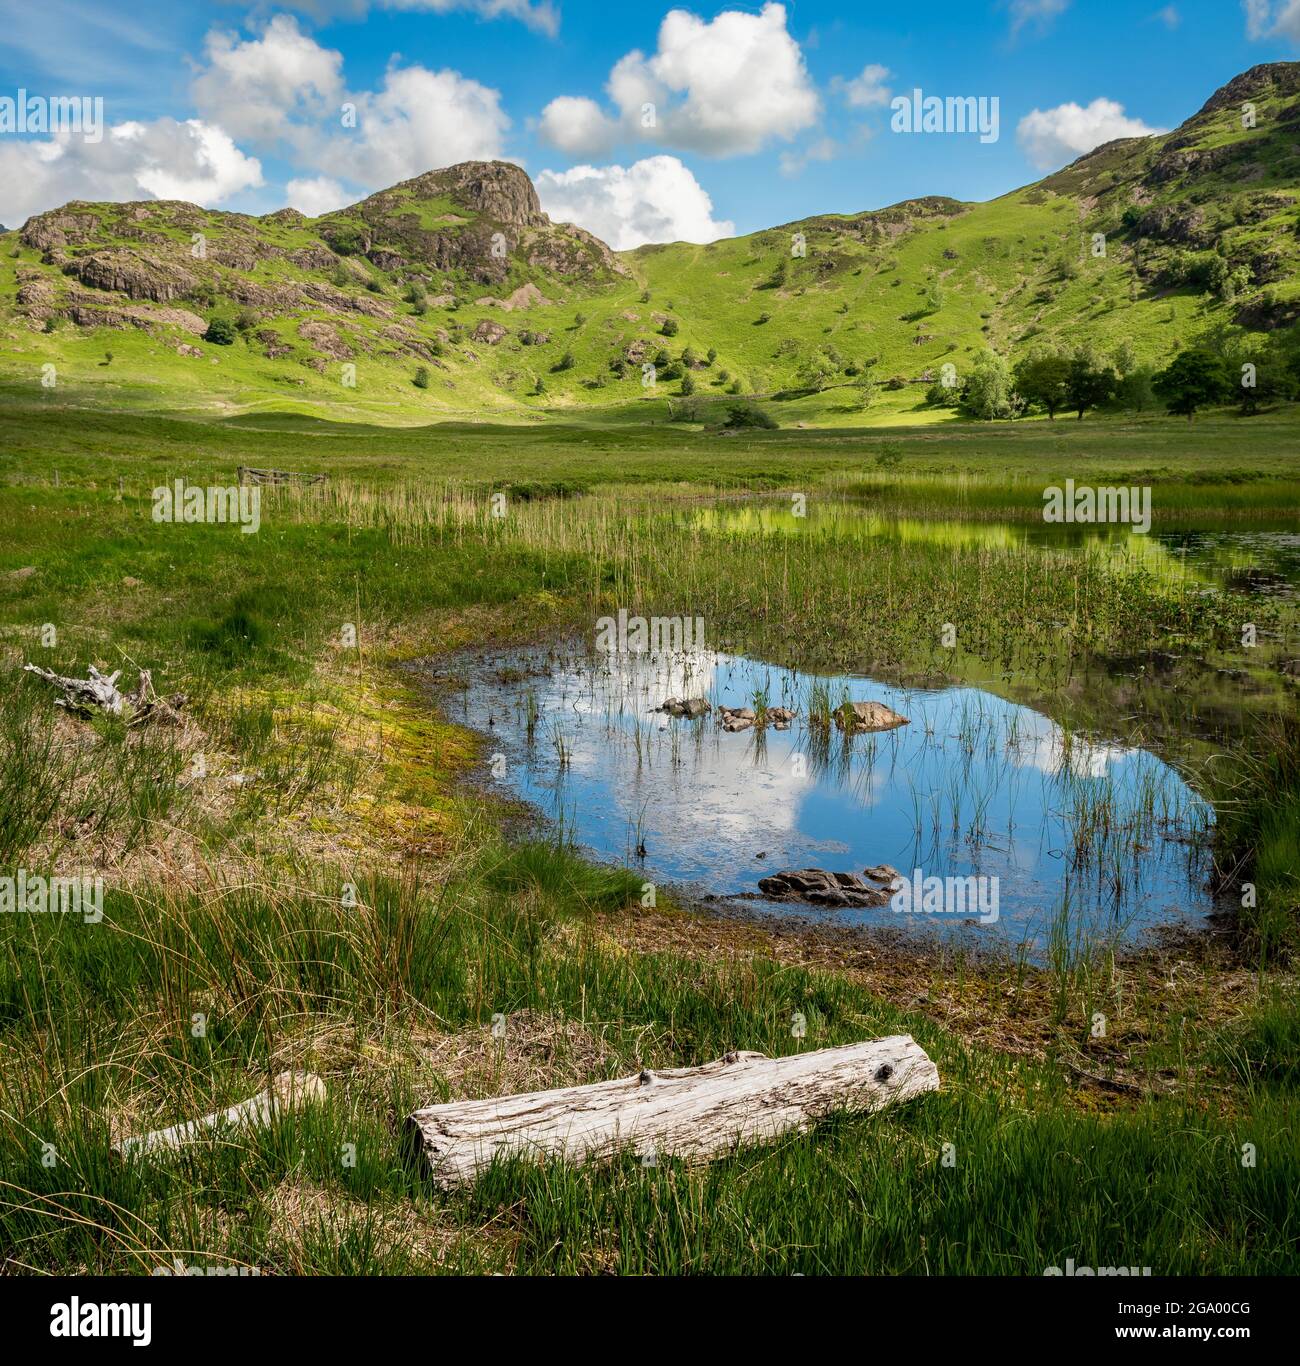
point(692, 1113)
point(289, 1091)
point(99, 692)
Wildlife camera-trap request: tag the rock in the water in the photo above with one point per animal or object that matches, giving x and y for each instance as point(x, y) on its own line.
point(742, 718)
point(867, 716)
point(884, 874)
point(735, 718)
point(689, 707)
point(817, 887)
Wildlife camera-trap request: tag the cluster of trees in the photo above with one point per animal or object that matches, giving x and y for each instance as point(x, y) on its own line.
point(668, 368)
point(1218, 371)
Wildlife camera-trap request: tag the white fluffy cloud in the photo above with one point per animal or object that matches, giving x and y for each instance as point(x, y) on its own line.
point(278, 92)
point(578, 125)
point(867, 90)
point(1052, 137)
point(1038, 13)
point(418, 120)
point(316, 195)
point(1272, 19)
point(656, 199)
point(261, 88)
point(723, 87)
point(282, 89)
point(162, 159)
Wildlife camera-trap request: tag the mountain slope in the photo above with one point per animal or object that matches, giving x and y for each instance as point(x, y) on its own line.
point(458, 272)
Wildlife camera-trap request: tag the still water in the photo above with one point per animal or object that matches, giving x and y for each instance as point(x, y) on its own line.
point(1089, 840)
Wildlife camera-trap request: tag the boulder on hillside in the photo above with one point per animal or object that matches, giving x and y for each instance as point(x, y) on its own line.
point(489, 332)
point(326, 340)
point(316, 257)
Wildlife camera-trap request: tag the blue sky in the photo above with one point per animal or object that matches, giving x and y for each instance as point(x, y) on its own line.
point(761, 114)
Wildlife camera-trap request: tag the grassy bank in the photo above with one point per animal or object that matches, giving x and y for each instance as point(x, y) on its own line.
point(320, 768)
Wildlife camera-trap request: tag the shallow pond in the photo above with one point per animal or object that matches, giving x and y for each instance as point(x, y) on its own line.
point(1077, 841)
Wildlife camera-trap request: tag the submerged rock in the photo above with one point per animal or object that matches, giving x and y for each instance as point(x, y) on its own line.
point(690, 707)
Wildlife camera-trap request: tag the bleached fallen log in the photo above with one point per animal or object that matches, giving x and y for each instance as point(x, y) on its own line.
point(99, 692)
point(288, 1091)
point(693, 1113)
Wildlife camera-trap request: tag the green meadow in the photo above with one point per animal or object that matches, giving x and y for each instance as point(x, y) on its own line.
point(308, 757)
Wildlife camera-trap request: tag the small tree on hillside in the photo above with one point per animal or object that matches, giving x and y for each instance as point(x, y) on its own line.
point(816, 372)
point(221, 332)
point(669, 328)
point(1088, 383)
point(988, 392)
point(1193, 380)
point(1042, 380)
point(1134, 392)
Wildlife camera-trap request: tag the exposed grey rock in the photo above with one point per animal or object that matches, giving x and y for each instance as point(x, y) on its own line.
point(817, 887)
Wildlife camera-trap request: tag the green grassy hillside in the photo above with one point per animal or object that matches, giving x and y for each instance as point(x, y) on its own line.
point(451, 295)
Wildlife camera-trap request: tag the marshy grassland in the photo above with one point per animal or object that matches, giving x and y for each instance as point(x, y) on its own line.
point(305, 763)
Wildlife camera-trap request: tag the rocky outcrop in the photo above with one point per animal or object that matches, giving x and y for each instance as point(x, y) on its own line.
point(138, 275)
point(1178, 163)
point(316, 257)
point(1260, 82)
point(571, 250)
point(526, 296)
point(326, 340)
point(273, 345)
point(495, 189)
point(89, 310)
point(36, 297)
point(1170, 223)
point(488, 332)
point(290, 218)
point(386, 260)
point(59, 228)
point(265, 298)
point(817, 887)
point(411, 343)
point(341, 301)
